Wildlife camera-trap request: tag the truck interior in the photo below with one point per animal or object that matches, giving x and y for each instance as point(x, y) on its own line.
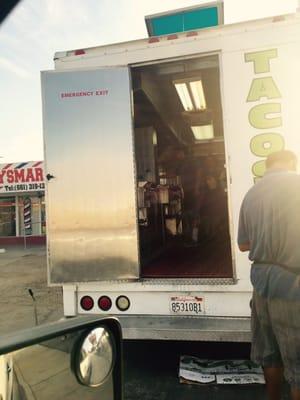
point(181, 170)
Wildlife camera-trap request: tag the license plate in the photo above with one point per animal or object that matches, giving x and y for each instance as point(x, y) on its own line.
point(187, 305)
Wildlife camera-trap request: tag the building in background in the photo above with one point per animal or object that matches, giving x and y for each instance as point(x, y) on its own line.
point(22, 203)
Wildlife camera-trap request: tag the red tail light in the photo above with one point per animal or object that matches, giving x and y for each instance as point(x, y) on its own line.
point(104, 303)
point(87, 303)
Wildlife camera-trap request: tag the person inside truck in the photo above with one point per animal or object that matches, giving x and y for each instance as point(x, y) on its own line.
point(213, 212)
point(269, 228)
point(214, 168)
point(193, 184)
point(214, 209)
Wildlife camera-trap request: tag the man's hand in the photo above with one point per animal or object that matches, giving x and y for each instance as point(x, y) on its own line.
point(244, 246)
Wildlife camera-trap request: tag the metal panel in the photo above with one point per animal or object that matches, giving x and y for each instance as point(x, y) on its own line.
point(91, 202)
point(185, 328)
point(145, 302)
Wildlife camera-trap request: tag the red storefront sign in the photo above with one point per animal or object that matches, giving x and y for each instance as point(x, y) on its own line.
point(22, 177)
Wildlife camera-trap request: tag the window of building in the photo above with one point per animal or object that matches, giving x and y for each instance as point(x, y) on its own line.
point(7, 216)
point(37, 220)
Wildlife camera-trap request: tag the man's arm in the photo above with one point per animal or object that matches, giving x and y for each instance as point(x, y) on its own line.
point(243, 237)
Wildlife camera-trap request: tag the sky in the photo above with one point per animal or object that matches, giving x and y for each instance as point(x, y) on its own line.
point(36, 29)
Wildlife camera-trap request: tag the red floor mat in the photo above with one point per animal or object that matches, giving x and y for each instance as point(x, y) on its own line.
point(211, 259)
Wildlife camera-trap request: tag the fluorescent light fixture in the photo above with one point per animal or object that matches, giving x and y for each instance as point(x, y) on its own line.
point(154, 138)
point(198, 94)
point(184, 96)
point(191, 94)
point(203, 132)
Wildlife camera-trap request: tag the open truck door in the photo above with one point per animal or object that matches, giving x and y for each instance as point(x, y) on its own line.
point(91, 201)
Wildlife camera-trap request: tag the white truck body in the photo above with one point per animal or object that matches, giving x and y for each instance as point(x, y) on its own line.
point(259, 64)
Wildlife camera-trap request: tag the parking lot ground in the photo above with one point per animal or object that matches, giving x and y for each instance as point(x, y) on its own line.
point(22, 269)
point(150, 367)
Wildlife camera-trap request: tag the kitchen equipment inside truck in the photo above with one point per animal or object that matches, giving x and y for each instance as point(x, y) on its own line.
point(181, 170)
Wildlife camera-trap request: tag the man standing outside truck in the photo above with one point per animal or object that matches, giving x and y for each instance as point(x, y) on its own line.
point(269, 228)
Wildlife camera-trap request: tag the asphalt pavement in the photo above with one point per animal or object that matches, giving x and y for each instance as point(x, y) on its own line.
point(151, 372)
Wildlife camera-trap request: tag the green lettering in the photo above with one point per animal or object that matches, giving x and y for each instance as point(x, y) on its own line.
point(258, 116)
point(263, 87)
point(266, 143)
point(259, 168)
point(261, 60)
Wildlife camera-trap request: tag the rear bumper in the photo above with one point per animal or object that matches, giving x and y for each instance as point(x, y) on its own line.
point(148, 327)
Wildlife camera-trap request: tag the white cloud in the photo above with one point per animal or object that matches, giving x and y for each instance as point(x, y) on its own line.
point(58, 12)
point(13, 68)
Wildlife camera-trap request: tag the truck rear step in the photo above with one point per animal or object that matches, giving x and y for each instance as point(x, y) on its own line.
point(185, 328)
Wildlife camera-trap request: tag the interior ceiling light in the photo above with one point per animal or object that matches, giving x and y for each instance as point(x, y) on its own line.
point(184, 96)
point(198, 95)
point(154, 138)
point(203, 132)
point(191, 95)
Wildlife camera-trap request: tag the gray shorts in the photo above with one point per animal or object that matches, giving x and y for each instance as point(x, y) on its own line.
point(275, 325)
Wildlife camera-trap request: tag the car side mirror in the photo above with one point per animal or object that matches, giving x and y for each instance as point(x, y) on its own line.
point(77, 358)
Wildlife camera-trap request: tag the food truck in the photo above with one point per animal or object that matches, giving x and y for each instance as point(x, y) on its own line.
point(150, 146)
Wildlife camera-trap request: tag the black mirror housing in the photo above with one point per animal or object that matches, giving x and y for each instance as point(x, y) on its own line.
point(42, 360)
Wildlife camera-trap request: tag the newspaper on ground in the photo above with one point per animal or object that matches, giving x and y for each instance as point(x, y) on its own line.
point(225, 372)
